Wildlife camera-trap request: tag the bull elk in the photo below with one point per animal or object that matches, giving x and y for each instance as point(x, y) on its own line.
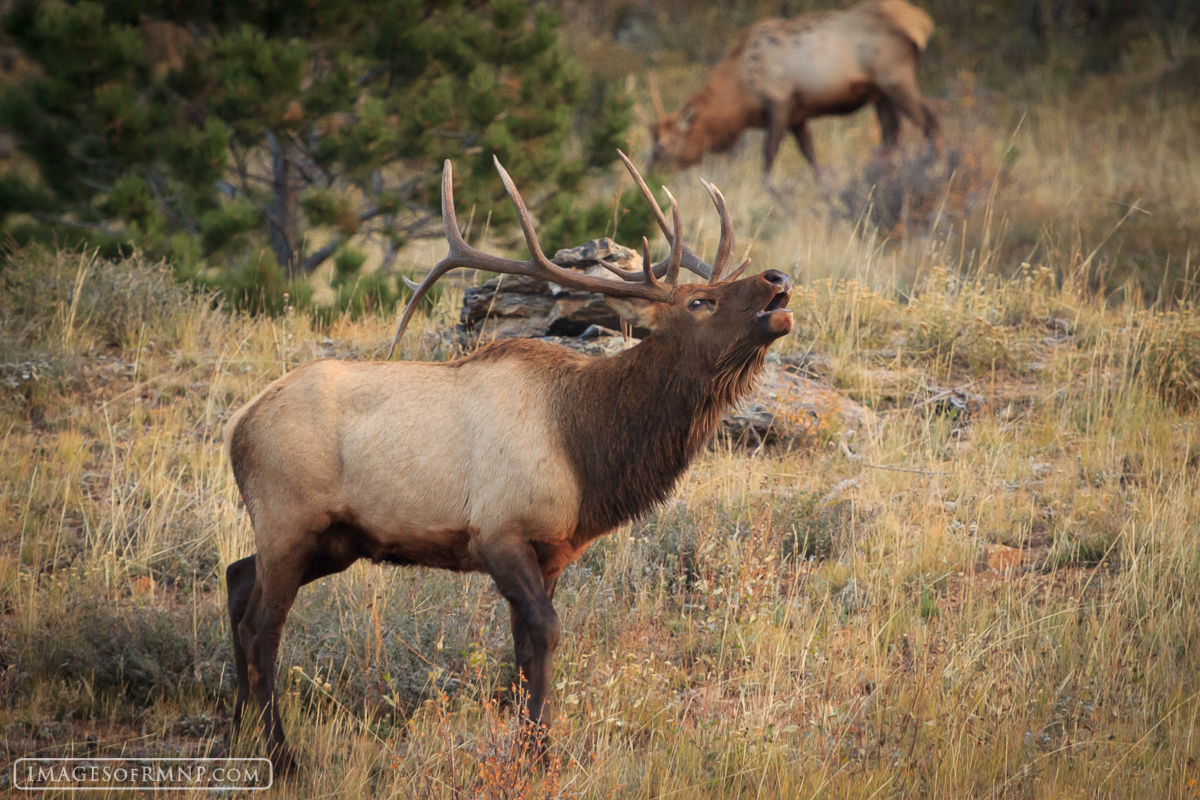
point(781, 73)
point(509, 461)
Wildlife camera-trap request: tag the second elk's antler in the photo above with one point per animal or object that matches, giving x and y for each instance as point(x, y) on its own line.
point(653, 282)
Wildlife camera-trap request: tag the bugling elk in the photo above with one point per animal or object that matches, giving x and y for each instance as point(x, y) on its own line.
point(782, 72)
point(509, 461)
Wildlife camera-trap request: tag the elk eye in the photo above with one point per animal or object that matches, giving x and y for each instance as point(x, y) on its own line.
point(698, 304)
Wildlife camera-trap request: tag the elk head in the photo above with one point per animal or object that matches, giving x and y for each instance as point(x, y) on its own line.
point(713, 320)
point(672, 145)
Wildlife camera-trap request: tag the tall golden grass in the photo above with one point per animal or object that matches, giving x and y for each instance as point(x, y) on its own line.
point(816, 623)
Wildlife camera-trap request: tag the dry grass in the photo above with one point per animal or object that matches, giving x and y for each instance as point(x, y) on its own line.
point(798, 624)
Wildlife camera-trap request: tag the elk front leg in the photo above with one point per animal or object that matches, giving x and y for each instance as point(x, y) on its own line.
point(514, 567)
point(522, 651)
point(778, 114)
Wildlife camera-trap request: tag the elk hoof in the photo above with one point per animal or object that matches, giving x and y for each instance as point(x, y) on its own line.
point(284, 764)
point(535, 743)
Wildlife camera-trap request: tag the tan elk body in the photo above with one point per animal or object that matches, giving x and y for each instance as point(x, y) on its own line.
point(782, 72)
point(510, 461)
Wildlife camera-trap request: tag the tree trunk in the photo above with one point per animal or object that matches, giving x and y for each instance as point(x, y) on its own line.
point(282, 221)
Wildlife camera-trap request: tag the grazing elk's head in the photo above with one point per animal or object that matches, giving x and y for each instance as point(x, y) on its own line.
point(724, 321)
point(672, 147)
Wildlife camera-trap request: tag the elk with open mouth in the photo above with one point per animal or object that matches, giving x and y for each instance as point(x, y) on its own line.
point(509, 461)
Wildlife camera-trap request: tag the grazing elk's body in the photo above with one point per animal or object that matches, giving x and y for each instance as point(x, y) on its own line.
point(781, 73)
point(509, 461)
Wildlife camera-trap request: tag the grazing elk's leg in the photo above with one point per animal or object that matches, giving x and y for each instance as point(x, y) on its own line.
point(889, 122)
point(804, 141)
point(239, 583)
point(260, 631)
point(908, 100)
point(513, 565)
point(777, 125)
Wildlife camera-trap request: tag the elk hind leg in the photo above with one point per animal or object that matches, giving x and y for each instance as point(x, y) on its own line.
point(906, 97)
point(260, 631)
point(265, 609)
point(889, 123)
point(239, 584)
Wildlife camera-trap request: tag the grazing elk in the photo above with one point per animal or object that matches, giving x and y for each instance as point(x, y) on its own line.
point(509, 461)
point(781, 73)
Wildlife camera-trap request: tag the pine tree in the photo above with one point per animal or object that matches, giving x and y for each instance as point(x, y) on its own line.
point(251, 142)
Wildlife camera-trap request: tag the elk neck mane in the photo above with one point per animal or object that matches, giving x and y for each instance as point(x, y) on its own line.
point(723, 88)
point(631, 423)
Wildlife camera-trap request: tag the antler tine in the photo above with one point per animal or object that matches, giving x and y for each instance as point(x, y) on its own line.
point(655, 97)
point(555, 272)
point(620, 272)
point(725, 246)
point(690, 260)
point(647, 264)
point(737, 273)
point(641, 184)
point(457, 246)
point(676, 257)
point(531, 240)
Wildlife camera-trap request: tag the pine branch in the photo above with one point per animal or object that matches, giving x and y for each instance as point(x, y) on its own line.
point(74, 223)
point(317, 258)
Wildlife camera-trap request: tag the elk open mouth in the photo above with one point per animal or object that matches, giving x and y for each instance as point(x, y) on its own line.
point(776, 318)
point(780, 300)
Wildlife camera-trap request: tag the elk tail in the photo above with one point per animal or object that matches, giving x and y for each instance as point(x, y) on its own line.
point(909, 20)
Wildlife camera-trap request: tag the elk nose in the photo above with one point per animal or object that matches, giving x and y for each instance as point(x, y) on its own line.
point(777, 278)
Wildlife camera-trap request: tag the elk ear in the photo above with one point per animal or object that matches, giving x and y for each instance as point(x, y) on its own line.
point(687, 117)
point(637, 311)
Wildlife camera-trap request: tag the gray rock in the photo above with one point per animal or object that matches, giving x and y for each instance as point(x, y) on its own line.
point(589, 254)
point(793, 410)
point(516, 306)
point(854, 598)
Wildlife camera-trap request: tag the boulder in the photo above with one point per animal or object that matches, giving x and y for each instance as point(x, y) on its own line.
point(511, 306)
point(790, 409)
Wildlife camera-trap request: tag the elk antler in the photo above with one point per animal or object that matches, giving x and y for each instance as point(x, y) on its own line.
point(712, 272)
point(462, 255)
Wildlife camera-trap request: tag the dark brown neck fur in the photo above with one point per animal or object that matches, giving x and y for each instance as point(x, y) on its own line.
point(632, 423)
